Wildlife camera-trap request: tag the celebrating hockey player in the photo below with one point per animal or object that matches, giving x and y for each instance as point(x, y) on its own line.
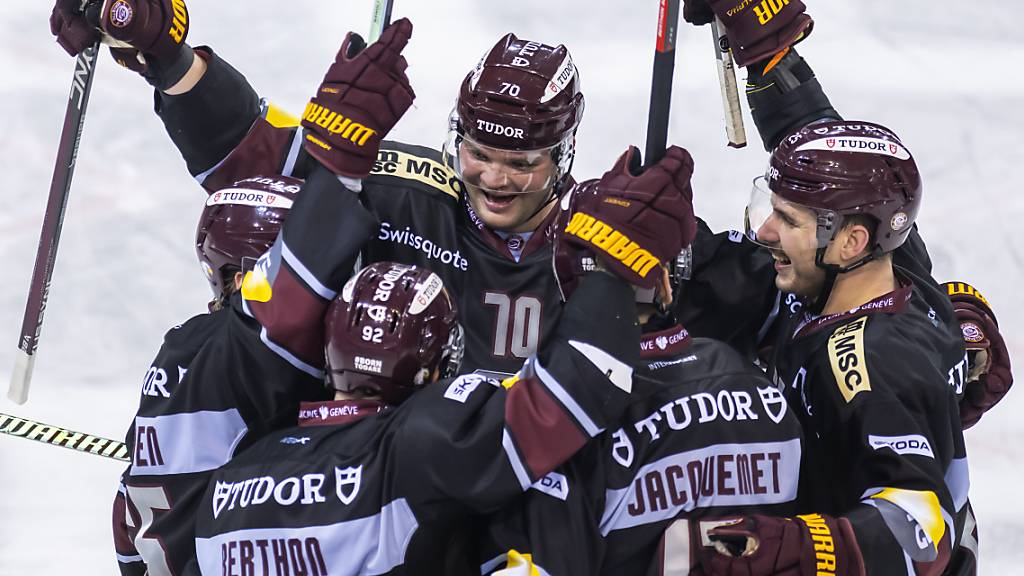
point(705, 434)
point(378, 480)
point(194, 409)
point(478, 213)
point(866, 345)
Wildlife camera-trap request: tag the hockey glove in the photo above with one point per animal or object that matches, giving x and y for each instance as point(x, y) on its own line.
point(634, 220)
point(989, 376)
point(756, 30)
point(363, 95)
point(71, 27)
point(156, 32)
point(807, 545)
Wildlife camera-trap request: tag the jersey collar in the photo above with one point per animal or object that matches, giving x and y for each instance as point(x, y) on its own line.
point(664, 343)
point(894, 302)
point(335, 412)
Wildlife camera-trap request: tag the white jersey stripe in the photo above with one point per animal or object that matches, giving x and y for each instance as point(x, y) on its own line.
point(370, 545)
point(565, 399)
point(304, 273)
point(185, 443)
point(513, 459)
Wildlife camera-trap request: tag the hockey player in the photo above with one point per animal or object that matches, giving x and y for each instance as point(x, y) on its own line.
point(193, 411)
point(478, 213)
point(865, 345)
point(365, 485)
point(705, 434)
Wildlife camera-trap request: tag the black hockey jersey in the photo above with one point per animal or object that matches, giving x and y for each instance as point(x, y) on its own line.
point(212, 410)
point(705, 435)
point(381, 494)
point(220, 383)
point(507, 305)
point(167, 372)
point(876, 389)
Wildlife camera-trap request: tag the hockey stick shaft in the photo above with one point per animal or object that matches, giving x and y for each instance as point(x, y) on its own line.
point(381, 19)
point(734, 129)
point(53, 220)
point(661, 81)
point(57, 436)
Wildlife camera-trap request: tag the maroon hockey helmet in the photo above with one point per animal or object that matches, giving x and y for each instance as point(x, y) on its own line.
point(241, 222)
point(390, 328)
point(522, 96)
point(840, 169)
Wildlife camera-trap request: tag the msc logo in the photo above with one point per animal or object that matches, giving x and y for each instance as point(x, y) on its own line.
point(335, 123)
point(846, 352)
point(179, 24)
point(768, 9)
point(612, 242)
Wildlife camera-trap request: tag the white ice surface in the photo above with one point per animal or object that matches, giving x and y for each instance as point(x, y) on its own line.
point(946, 76)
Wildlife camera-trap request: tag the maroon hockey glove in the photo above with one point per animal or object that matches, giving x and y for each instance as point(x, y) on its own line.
point(697, 12)
point(156, 31)
point(989, 376)
point(363, 95)
point(756, 30)
point(632, 220)
point(807, 545)
point(69, 24)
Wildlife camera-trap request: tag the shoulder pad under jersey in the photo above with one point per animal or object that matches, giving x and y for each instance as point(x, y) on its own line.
point(416, 167)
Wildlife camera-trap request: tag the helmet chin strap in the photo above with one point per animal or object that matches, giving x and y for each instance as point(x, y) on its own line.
point(832, 272)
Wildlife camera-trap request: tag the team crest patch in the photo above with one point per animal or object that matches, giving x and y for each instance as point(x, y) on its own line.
point(899, 221)
point(121, 14)
point(972, 332)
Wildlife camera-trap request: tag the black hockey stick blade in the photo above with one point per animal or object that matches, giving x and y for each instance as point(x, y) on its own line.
point(381, 19)
point(661, 82)
point(57, 436)
point(53, 219)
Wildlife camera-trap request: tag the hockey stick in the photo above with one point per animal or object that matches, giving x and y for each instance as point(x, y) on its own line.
point(661, 81)
point(57, 436)
point(381, 19)
point(734, 129)
point(53, 220)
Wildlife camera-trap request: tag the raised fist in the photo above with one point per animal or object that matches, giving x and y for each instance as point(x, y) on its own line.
point(363, 95)
point(154, 32)
point(757, 29)
point(69, 24)
point(634, 220)
point(989, 376)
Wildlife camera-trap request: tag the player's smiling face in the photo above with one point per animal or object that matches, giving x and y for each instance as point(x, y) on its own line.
point(790, 232)
point(506, 187)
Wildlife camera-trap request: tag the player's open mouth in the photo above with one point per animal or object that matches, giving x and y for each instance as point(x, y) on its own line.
point(498, 201)
point(781, 259)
